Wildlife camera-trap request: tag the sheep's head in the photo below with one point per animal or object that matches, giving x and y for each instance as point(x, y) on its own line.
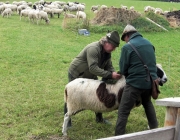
point(161, 74)
point(47, 21)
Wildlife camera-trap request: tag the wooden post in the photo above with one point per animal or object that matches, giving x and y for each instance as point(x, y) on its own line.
point(177, 129)
point(172, 113)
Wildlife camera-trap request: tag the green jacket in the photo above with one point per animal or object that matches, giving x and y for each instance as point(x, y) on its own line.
point(92, 62)
point(132, 67)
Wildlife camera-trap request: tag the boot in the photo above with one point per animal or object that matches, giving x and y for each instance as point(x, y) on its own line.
point(99, 119)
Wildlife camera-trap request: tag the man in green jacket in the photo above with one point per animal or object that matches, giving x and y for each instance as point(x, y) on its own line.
point(137, 84)
point(95, 60)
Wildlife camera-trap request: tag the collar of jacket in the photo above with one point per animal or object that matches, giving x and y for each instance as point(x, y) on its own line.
point(134, 35)
point(103, 53)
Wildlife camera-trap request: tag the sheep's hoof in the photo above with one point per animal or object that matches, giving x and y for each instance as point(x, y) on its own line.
point(105, 122)
point(64, 133)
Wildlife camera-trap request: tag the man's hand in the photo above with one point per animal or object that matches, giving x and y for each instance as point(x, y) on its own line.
point(115, 75)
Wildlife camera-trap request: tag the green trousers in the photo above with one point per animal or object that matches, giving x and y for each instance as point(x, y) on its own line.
point(129, 98)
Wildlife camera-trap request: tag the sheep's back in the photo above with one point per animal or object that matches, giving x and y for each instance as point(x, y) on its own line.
point(81, 94)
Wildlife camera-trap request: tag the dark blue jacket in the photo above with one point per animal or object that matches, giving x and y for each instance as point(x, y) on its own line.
point(132, 67)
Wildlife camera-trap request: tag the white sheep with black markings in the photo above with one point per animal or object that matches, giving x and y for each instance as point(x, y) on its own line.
point(88, 94)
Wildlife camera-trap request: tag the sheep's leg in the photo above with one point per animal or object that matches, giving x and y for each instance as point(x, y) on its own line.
point(65, 123)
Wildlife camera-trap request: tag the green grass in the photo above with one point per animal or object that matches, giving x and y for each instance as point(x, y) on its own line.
point(34, 62)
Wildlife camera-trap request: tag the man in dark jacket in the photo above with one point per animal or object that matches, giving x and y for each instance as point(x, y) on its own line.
point(138, 84)
point(95, 60)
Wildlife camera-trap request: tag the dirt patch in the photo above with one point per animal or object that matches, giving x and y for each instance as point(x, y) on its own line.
point(53, 137)
point(109, 16)
point(173, 18)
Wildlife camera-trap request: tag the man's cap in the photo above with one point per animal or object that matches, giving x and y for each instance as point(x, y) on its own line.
point(127, 29)
point(113, 38)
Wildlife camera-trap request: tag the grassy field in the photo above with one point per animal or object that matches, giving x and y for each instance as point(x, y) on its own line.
point(34, 60)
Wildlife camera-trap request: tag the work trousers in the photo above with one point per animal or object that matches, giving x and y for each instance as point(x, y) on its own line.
point(129, 98)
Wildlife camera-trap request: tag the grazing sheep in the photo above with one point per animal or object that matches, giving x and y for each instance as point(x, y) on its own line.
point(80, 7)
point(124, 7)
point(1, 3)
point(43, 15)
point(72, 8)
point(66, 15)
point(57, 11)
point(21, 7)
point(24, 13)
point(131, 8)
point(149, 9)
point(41, 1)
point(2, 8)
point(94, 7)
point(81, 14)
point(88, 94)
point(7, 12)
point(158, 11)
point(33, 15)
point(95, 11)
point(103, 6)
point(48, 11)
point(13, 7)
point(166, 12)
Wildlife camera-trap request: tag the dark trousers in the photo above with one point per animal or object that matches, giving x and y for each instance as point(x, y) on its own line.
point(129, 98)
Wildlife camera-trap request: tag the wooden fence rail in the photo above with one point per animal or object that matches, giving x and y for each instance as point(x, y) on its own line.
point(171, 129)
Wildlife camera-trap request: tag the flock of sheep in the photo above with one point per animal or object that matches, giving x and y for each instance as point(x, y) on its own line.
point(42, 10)
point(155, 10)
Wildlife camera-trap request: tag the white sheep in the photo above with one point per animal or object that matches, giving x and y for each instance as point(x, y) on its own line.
point(88, 94)
point(72, 8)
point(43, 15)
point(48, 10)
point(2, 8)
point(149, 9)
point(24, 13)
point(95, 11)
point(124, 7)
point(166, 12)
point(68, 15)
point(57, 11)
point(21, 7)
point(158, 11)
point(80, 7)
point(94, 7)
point(33, 15)
point(7, 12)
point(103, 6)
point(131, 8)
point(13, 7)
point(81, 14)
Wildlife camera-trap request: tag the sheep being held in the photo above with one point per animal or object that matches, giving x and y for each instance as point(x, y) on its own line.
point(98, 96)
